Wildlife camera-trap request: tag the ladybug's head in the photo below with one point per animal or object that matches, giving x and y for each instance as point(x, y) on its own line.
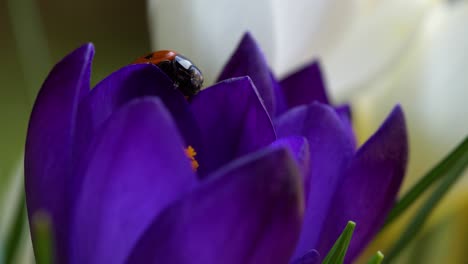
point(187, 76)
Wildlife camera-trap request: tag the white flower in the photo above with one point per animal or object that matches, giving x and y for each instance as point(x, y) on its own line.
point(355, 39)
point(289, 32)
point(430, 79)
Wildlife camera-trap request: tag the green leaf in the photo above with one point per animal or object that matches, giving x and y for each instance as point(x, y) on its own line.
point(14, 235)
point(427, 181)
point(338, 251)
point(453, 173)
point(43, 238)
point(29, 34)
point(377, 258)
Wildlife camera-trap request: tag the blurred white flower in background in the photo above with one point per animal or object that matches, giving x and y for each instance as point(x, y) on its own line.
point(289, 32)
point(355, 39)
point(429, 79)
point(379, 35)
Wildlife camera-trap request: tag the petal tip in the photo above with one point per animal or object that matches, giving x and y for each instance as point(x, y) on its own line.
point(248, 38)
point(397, 112)
point(248, 44)
point(88, 46)
point(86, 51)
point(396, 121)
point(305, 85)
point(242, 79)
point(392, 135)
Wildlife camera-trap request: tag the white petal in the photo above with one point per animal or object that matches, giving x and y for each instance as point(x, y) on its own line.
point(289, 32)
point(441, 75)
point(431, 82)
point(307, 29)
point(373, 42)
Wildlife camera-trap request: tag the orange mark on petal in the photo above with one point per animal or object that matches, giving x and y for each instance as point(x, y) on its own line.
point(191, 153)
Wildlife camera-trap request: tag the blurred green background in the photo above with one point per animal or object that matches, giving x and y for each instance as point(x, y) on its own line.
point(118, 30)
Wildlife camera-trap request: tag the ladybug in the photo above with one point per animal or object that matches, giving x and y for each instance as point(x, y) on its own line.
point(185, 75)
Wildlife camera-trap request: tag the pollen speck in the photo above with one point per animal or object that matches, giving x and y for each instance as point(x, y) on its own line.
point(191, 153)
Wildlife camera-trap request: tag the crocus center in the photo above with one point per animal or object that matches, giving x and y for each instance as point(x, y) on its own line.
point(191, 153)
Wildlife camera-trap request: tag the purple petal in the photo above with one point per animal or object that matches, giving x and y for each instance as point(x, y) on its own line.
point(124, 85)
point(299, 148)
point(370, 185)
point(248, 60)
point(249, 212)
point(305, 86)
point(137, 167)
point(233, 122)
point(344, 112)
point(280, 100)
point(49, 143)
point(330, 151)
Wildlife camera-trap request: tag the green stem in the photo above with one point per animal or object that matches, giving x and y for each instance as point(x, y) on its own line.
point(453, 174)
point(377, 258)
point(43, 238)
point(338, 251)
point(31, 44)
point(432, 176)
point(14, 235)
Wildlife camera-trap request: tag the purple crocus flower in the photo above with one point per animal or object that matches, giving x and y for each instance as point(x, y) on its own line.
point(262, 183)
point(343, 183)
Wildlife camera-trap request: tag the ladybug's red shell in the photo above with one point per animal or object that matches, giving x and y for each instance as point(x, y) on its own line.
point(184, 74)
point(157, 57)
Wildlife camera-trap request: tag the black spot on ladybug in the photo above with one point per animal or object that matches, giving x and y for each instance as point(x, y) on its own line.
point(149, 56)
